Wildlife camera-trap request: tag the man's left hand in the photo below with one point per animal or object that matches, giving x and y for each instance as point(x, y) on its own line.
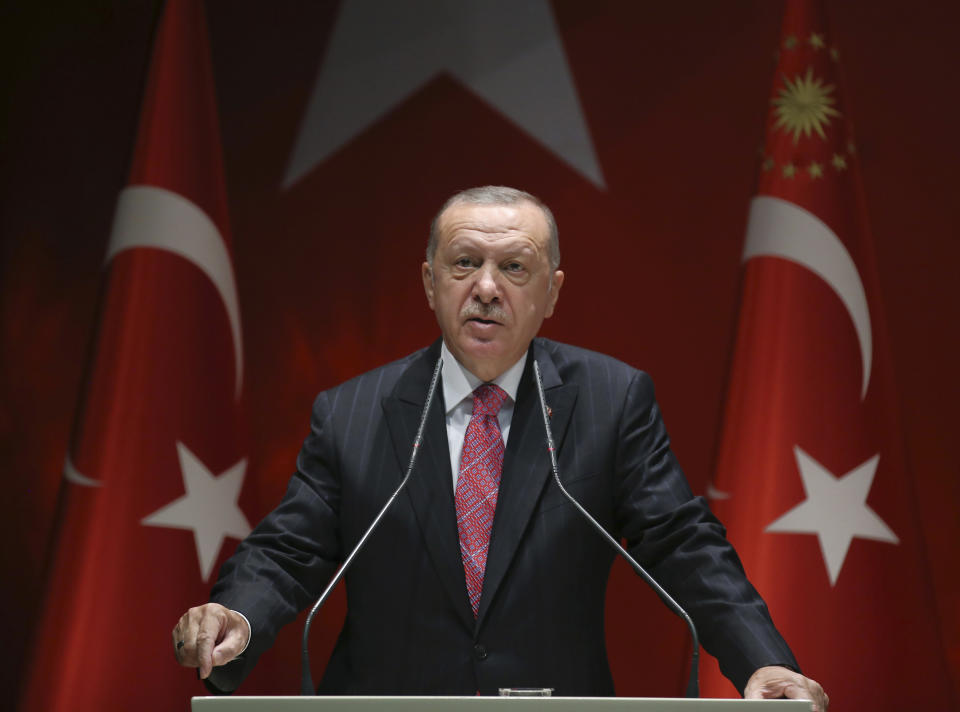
point(773, 682)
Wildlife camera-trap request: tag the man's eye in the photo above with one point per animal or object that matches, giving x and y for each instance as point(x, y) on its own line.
point(514, 267)
point(464, 262)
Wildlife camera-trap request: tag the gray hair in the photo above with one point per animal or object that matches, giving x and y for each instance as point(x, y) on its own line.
point(496, 195)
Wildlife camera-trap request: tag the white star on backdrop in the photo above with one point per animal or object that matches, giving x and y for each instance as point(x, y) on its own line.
point(209, 507)
point(835, 510)
point(508, 53)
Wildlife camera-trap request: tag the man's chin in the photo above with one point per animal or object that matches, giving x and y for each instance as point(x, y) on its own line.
point(484, 358)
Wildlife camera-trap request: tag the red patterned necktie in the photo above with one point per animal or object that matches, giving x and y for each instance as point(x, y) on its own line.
point(481, 463)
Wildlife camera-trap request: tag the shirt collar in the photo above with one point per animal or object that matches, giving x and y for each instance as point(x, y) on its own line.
point(458, 382)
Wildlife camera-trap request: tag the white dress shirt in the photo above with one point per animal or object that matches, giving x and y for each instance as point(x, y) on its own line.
point(458, 387)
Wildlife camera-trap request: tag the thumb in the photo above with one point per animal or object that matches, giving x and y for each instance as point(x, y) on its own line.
point(228, 648)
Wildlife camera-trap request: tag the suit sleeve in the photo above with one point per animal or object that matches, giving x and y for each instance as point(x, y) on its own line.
point(684, 547)
point(285, 562)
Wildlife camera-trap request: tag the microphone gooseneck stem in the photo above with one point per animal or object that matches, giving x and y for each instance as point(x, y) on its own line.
point(306, 679)
point(693, 686)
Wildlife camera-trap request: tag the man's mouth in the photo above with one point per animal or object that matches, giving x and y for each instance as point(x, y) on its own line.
point(483, 321)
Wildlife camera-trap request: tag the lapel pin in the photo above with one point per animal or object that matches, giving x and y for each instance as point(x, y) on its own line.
point(549, 412)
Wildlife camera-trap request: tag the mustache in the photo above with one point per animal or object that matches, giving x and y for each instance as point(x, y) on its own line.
point(491, 312)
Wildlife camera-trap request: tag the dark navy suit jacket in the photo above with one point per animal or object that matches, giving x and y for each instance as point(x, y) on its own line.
point(409, 628)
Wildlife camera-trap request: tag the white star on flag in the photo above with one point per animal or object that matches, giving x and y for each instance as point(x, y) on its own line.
point(508, 53)
point(209, 507)
point(835, 510)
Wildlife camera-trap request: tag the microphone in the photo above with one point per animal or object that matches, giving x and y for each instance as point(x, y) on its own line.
point(693, 687)
point(306, 679)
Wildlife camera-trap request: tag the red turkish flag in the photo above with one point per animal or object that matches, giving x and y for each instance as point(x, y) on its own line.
point(153, 477)
point(811, 479)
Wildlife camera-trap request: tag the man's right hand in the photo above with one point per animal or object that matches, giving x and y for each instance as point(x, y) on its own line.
point(209, 635)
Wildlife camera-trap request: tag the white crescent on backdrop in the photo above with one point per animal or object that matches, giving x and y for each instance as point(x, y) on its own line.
point(779, 228)
point(156, 218)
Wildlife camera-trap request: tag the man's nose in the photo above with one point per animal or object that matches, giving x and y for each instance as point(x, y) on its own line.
point(487, 287)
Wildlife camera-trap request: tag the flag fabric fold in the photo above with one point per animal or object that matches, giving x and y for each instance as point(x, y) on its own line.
point(156, 467)
point(811, 479)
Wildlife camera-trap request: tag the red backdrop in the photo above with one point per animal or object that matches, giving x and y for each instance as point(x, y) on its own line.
point(674, 96)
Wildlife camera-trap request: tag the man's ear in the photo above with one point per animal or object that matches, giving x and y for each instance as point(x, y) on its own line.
point(426, 272)
point(555, 285)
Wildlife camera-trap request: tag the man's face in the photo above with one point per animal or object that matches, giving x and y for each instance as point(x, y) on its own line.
point(491, 284)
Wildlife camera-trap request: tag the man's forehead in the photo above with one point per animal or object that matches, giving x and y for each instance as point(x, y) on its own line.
point(493, 222)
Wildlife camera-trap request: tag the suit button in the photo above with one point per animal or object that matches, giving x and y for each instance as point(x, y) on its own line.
point(480, 652)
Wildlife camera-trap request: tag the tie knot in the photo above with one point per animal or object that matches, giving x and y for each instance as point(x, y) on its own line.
point(488, 398)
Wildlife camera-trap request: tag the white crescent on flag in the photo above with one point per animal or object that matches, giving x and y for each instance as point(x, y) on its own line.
point(148, 216)
point(778, 228)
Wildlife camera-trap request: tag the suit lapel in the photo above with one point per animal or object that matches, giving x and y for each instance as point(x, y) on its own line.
point(526, 466)
point(430, 488)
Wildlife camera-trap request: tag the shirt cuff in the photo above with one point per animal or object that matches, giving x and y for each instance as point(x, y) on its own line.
point(249, 631)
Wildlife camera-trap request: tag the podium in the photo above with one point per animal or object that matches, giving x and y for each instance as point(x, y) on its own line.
point(490, 704)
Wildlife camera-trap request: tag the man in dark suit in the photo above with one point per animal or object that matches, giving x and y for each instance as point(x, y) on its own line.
point(482, 575)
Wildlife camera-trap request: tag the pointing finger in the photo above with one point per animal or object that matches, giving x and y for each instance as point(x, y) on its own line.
point(207, 635)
